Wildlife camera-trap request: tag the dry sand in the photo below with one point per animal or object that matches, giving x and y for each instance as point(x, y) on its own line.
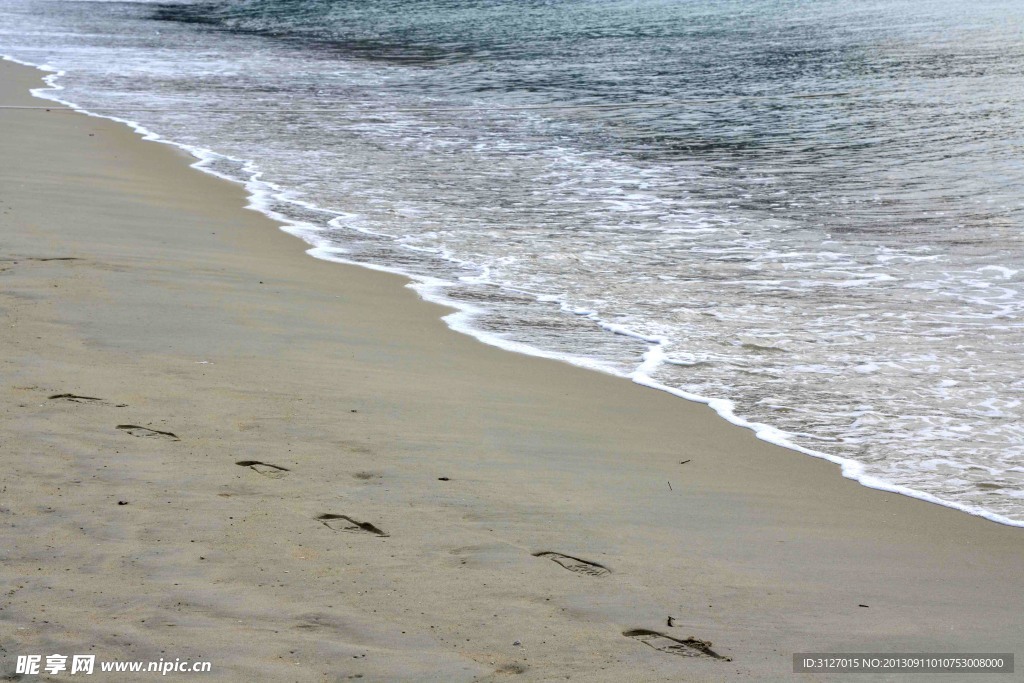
point(184, 313)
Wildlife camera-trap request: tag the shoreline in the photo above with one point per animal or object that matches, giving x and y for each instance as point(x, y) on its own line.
point(460, 320)
point(186, 315)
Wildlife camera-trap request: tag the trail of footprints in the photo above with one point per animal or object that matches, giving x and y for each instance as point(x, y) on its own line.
point(687, 647)
point(134, 430)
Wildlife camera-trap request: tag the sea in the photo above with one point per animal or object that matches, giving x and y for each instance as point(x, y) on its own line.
point(805, 213)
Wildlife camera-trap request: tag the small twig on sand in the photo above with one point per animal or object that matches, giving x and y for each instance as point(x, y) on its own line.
point(669, 485)
point(684, 462)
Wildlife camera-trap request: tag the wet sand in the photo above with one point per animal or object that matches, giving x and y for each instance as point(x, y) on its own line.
point(489, 515)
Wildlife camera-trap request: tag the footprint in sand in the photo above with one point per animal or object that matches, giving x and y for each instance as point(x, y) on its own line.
point(265, 468)
point(690, 647)
point(346, 523)
point(146, 432)
point(75, 398)
point(575, 564)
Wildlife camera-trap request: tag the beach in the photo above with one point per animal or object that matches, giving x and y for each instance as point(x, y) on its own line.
point(218, 448)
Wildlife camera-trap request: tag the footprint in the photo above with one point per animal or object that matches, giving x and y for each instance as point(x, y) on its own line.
point(264, 468)
point(575, 564)
point(136, 430)
point(690, 647)
point(513, 668)
point(75, 398)
point(346, 523)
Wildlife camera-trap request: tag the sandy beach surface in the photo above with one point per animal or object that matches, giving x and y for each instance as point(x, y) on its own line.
point(186, 394)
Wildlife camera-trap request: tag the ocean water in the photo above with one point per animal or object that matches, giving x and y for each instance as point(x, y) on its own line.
point(807, 213)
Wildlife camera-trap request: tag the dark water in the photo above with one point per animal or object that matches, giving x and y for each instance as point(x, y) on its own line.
point(817, 219)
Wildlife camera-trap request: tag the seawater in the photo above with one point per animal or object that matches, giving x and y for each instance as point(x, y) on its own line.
point(841, 272)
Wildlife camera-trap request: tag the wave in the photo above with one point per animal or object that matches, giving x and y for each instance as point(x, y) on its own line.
point(263, 196)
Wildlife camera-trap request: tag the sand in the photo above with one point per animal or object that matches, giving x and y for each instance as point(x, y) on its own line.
point(447, 466)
